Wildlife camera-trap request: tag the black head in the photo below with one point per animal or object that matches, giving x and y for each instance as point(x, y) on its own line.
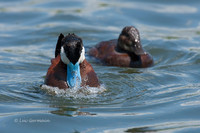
point(72, 49)
point(129, 40)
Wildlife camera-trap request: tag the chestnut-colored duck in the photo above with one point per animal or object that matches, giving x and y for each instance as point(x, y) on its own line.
point(126, 51)
point(69, 68)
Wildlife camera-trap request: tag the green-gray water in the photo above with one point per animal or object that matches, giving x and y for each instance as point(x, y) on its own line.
point(163, 98)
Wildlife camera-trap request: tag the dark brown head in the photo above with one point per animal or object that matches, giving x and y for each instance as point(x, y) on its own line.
point(129, 40)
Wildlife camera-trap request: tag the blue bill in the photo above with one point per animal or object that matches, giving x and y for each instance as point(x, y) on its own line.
point(73, 75)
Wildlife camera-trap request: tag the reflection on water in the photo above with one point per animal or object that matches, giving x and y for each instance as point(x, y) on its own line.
point(70, 112)
point(163, 98)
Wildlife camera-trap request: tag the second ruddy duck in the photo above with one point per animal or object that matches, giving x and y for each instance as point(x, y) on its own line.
point(127, 51)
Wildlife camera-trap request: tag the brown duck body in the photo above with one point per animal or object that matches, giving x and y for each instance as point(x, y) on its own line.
point(126, 51)
point(108, 53)
point(57, 73)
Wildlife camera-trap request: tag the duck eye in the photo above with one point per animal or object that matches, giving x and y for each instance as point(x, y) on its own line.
point(127, 35)
point(79, 43)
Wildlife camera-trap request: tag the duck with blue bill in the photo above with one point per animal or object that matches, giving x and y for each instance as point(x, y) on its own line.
point(69, 68)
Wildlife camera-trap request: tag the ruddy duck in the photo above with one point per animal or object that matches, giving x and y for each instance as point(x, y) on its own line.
point(69, 68)
point(127, 51)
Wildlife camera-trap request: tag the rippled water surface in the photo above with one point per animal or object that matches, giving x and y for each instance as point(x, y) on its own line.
point(163, 98)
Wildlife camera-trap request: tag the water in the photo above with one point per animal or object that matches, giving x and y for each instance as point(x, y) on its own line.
point(163, 98)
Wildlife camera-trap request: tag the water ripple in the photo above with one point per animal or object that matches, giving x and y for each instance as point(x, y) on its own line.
point(162, 98)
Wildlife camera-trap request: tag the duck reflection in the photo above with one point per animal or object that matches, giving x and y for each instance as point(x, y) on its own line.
point(71, 111)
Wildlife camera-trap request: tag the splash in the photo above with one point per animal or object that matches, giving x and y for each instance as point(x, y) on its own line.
point(75, 92)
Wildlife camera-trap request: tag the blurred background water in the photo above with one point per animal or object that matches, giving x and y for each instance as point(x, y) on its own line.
point(163, 98)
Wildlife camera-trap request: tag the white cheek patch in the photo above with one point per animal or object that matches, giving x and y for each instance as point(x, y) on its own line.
point(63, 56)
point(82, 57)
